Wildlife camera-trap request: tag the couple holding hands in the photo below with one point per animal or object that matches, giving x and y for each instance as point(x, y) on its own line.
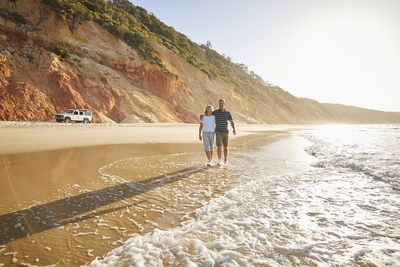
point(215, 123)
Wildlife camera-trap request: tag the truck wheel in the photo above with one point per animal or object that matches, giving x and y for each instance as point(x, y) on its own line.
point(85, 121)
point(67, 120)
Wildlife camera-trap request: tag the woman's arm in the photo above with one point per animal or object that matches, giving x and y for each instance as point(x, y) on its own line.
point(200, 130)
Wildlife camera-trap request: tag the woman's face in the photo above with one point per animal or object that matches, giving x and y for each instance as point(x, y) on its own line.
point(209, 110)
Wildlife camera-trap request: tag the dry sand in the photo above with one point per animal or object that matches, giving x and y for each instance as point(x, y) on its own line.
point(29, 137)
point(50, 185)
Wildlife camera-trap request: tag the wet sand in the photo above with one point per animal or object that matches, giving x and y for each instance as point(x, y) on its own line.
point(62, 202)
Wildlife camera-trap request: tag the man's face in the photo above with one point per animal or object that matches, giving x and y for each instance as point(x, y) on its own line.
point(221, 104)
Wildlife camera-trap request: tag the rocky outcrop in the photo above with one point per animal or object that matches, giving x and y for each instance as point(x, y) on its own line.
point(102, 73)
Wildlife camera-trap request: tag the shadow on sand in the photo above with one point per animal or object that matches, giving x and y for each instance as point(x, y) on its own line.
point(29, 221)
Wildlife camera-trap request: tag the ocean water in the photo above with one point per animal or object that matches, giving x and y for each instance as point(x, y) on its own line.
point(328, 196)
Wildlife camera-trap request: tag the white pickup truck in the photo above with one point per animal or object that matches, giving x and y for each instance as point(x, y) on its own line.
point(76, 115)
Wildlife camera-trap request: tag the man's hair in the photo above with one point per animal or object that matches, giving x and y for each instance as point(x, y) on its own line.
point(222, 100)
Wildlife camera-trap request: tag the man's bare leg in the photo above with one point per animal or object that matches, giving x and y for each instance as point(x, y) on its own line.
point(219, 151)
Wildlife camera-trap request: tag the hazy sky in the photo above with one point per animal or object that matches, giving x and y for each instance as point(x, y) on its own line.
point(335, 51)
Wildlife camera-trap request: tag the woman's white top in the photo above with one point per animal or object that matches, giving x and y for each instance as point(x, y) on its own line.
point(208, 123)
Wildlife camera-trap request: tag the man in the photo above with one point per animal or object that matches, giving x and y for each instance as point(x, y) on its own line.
point(222, 116)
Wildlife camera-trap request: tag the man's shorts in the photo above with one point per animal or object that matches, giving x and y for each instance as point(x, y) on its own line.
point(222, 139)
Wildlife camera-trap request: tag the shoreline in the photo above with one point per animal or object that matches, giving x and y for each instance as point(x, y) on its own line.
point(59, 183)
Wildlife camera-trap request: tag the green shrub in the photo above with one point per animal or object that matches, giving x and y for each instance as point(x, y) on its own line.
point(12, 16)
point(60, 52)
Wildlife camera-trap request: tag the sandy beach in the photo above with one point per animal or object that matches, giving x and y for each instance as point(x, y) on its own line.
point(58, 208)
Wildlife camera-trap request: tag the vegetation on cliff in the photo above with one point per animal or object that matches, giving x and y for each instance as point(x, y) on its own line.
point(15, 17)
point(139, 29)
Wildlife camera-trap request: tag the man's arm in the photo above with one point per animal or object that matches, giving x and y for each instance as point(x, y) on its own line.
point(233, 126)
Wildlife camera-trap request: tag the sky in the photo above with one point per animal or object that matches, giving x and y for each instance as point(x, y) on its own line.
point(333, 51)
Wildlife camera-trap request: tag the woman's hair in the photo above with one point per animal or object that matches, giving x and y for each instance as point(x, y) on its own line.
point(208, 107)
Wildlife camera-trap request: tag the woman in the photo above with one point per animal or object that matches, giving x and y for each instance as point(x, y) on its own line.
point(207, 131)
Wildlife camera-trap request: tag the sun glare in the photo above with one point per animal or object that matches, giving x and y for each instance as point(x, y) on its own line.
point(342, 57)
point(338, 131)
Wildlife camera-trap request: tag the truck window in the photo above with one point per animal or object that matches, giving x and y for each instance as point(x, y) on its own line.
point(76, 113)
